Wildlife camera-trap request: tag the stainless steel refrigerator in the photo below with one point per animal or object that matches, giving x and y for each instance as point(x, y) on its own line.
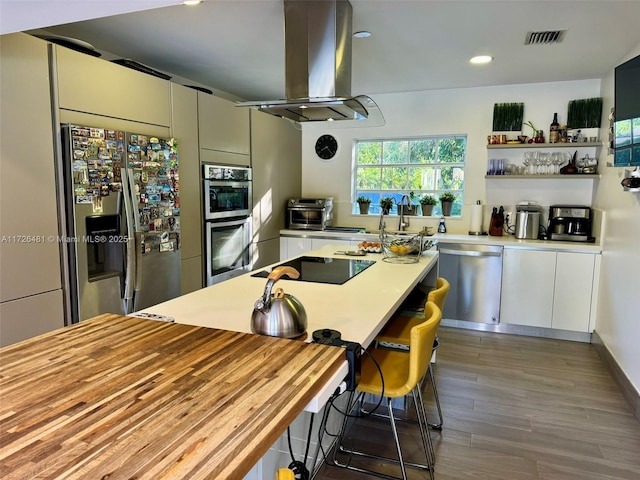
point(121, 231)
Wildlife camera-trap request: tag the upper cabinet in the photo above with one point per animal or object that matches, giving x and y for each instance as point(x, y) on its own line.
point(29, 254)
point(277, 170)
point(93, 85)
point(224, 131)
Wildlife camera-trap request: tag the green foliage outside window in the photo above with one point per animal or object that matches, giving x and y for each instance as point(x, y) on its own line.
point(396, 167)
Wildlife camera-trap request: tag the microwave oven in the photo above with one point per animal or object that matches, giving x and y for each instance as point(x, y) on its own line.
point(309, 213)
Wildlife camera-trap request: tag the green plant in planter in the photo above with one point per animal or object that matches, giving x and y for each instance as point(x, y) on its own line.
point(428, 200)
point(446, 202)
point(363, 204)
point(447, 197)
point(386, 204)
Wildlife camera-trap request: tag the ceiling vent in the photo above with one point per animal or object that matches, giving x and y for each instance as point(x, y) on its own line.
point(546, 37)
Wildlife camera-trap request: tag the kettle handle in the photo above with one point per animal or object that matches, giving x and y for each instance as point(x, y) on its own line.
point(284, 270)
point(272, 278)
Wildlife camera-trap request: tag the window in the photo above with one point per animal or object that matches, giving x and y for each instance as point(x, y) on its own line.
point(418, 166)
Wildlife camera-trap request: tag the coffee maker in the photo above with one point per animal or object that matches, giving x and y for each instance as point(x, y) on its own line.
point(570, 223)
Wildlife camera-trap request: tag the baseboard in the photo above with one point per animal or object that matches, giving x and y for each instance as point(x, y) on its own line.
point(513, 329)
point(628, 390)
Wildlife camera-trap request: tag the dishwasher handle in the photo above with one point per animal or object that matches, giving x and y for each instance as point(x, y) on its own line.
point(470, 253)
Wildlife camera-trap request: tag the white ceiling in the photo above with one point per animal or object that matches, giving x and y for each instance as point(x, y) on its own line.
point(237, 46)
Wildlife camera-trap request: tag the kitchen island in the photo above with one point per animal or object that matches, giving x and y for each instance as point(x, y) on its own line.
point(123, 397)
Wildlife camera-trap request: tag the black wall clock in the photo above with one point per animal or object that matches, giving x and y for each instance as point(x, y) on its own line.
point(326, 147)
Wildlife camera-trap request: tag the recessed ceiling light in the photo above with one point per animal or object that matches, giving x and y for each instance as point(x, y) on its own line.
point(362, 34)
point(481, 59)
point(191, 2)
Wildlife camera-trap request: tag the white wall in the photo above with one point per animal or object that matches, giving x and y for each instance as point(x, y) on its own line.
point(458, 111)
point(470, 111)
point(618, 320)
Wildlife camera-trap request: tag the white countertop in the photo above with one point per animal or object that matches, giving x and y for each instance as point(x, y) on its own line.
point(507, 241)
point(358, 309)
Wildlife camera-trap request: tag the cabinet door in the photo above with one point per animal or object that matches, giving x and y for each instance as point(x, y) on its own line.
point(222, 126)
point(113, 90)
point(277, 171)
point(29, 254)
point(30, 316)
point(339, 244)
point(527, 287)
point(291, 247)
point(184, 127)
point(573, 291)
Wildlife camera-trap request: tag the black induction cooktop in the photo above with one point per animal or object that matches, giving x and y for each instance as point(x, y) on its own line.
point(322, 269)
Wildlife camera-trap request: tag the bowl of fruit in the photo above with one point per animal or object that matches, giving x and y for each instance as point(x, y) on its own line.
point(401, 248)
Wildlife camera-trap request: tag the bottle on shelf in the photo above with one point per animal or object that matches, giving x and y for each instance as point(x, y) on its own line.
point(554, 130)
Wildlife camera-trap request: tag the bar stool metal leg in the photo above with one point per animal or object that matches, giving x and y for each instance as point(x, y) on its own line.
point(427, 444)
point(432, 378)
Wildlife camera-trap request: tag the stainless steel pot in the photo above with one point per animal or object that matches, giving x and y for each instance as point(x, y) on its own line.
point(279, 314)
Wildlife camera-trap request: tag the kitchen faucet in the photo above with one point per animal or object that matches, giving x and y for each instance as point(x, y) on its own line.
point(381, 224)
point(404, 222)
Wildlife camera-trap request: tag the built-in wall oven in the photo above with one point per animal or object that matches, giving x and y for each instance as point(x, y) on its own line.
point(227, 213)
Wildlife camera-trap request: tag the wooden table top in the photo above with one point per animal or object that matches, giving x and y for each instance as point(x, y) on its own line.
point(118, 397)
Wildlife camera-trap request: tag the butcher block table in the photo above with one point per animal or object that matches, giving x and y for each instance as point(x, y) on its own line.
point(118, 397)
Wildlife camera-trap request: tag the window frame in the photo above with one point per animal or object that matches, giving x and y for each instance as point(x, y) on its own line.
point(397, 194)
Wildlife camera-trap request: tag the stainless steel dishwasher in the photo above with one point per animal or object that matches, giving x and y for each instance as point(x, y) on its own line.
point(475, 275)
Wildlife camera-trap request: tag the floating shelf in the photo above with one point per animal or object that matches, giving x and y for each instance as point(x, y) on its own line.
point(577, 176)
point(545, 145)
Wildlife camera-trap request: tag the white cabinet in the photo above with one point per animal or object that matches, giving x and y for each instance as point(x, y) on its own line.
point(321, 242)
point(573, 289)
point(295, 246)
point(527, 287)
point(543, 288)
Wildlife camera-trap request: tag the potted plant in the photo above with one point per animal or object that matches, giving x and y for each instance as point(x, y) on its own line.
point(363, 204)
point(386, 204)
point(446, 201)
point(427, 202)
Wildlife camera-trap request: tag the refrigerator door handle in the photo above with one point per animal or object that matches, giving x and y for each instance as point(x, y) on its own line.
point(130, 262)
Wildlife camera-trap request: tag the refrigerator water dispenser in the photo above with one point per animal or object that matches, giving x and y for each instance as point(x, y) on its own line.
point(104, 248)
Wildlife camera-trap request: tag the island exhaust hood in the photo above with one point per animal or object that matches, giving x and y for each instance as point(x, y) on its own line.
point(317, 64)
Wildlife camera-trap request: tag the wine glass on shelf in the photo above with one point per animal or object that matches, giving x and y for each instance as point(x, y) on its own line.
point(544, 162)
point(527, 163)
point(534, 162)
point(557, 161)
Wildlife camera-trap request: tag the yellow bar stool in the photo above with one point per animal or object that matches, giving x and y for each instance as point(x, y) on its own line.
point(396, 374)
point(397, 332)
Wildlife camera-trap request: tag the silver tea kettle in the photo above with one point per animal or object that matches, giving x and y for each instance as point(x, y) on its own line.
point(280, 314)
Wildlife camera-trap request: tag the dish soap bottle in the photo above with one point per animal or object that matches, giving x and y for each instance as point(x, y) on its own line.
point(442, 228)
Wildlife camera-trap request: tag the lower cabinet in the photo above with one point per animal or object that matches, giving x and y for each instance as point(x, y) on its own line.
point(542, 288)
point(574, 288)
point(527, 287)
point(295, 246)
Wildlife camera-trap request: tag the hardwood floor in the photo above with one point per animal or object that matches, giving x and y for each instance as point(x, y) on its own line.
point(516, 408)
